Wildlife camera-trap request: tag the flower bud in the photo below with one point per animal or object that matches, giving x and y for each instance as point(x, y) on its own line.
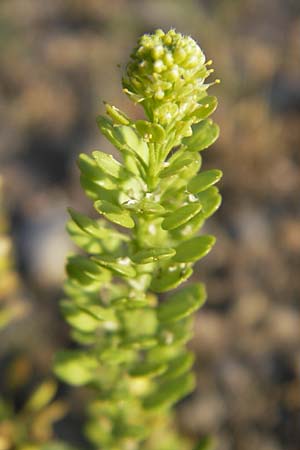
point(169, 67)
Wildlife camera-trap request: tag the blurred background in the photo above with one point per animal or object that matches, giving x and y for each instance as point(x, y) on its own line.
point(58, 62)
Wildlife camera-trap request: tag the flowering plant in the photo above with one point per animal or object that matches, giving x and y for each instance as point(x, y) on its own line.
point(152, 204)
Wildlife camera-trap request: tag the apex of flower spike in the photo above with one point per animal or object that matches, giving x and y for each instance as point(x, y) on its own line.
point(167, 68)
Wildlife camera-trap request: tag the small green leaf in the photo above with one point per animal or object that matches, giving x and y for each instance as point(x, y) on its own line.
point(83, 338)
point(148, 369)
point(88, 167)
point(170, 278)
point(179, 164)
point(153, 254)
point(183, 129)
point(189, 229)
point(143, 206)
point(115, 355)
point(182, 303)
point(99, 312)
point(210, 200)
point(181, 216)
point(206, 443)
point(116, 114)
point(123, 137)
point(204, 180)
point(194, 249)
point(42, 396)
point(106, 127)
point(75, 367)
point(130, 138)
point(77, 318)
point(84, 271)
point(91, 172)
point(150, 132)
point(108, 164)
point(206, 107)
point(140, 342)
point(204, 134)
point(95, 228)
point(114, 213)
point(169, 392)
point(86, 224)
point(95, 191)
point(126, 139)
point(84, 240)
point(120, 266)
point(179, 365)
point(176, 333)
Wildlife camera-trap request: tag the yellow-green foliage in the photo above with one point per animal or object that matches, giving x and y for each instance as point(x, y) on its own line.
point(132, 348)
point(9, 307)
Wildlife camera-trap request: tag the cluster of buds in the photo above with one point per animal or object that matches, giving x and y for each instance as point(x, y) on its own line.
point(167, 69)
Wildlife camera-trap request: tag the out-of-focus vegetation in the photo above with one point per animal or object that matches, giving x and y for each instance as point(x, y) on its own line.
point(58, 62)
point(28, 425)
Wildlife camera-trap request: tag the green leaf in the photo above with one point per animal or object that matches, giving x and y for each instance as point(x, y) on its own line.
point(179, 365)
point(169, 392)
point(170, 278)
point(114, 213)
point(189, 229)
point(107, 128)
point(190, 170)
point(84, 240)
point(148, 369)
point(132, 321)
point(130, 137)
point(194, 249)
point(109, 164)
point(206, 443)
point(93, 174)
point(95, 191)
point(78, 291)
point(86, 224)
point(178, 165)
point(83, 338)
point(77, 318)
point(175, 333)
point(204, 180)
point(182, 129)
point(96, 228)
point(150, 132)
point(89, 168)
point(182, 303)
point(99, 312)
point(206, 107)
point(42, 396)
point(152, 255)
point(75, 367)
point(116, 114)
point(115, 356)
point(84, 271)
point(120, 266)
point(210, 200)
point(124, 137)
point(204, 134)
point(140, 342)
point(144, 206)
point(181, 216)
